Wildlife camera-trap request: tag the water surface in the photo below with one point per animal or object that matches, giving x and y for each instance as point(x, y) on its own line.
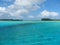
point(29, 33)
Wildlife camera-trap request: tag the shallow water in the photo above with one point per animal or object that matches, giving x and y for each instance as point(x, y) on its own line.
point(28, 33)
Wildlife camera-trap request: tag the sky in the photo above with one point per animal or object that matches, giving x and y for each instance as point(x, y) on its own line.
point(29, 9)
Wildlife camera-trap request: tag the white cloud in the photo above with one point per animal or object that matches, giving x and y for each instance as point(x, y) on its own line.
point(28, 2)
point(2, 10)
point(31, 16)
point(23, 2)
point(35, 7)
point(54, 13)
point(21, 7)
point(46, 13)
point(18, 12)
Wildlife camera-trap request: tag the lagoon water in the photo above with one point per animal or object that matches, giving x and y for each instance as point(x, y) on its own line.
point(29, 33)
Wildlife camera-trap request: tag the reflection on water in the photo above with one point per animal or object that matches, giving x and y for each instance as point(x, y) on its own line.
point(31, 34)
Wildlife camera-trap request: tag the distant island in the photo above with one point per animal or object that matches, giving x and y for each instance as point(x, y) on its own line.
point(11, 20)
point(48, 19)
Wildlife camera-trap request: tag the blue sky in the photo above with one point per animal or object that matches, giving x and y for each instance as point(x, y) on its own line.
point(29, 9)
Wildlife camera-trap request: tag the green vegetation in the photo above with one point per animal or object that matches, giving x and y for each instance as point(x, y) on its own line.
point(11, 20)
point(48, 19)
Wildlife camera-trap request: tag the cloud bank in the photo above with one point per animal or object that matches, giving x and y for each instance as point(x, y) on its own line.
point(48, 14)
point(21, 7)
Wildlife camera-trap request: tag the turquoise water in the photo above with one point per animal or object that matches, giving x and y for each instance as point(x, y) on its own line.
point(29, 33)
